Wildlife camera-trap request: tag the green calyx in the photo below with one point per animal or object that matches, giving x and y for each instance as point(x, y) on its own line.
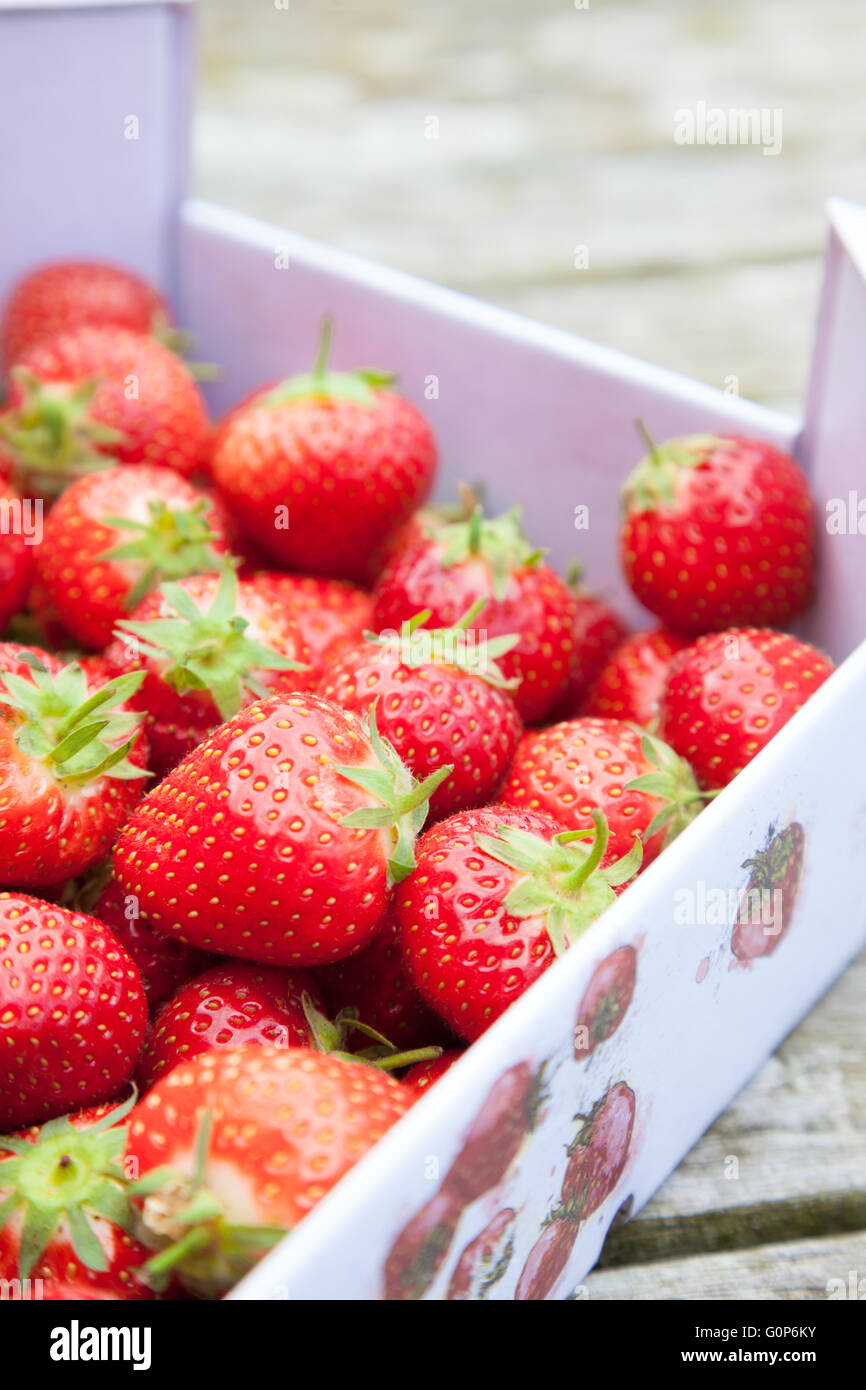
point(78, 736)
point(417, 645)
point(499, 541)
point(331, 1036)
point(207, 650)
point(360, 385)
point(171, 545)
point(653, 482)
point(562, 879)
point(673, 782)
point(52, 435)
point(186, 1224)
point(403, 802)
point(72, 1174)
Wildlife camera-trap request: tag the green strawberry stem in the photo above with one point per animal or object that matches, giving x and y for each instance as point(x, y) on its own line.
point(330, 1036)
point(70, 1173)
point(322, 383)
point(673, 782)
point(54, 725)
point(171, 545)
point(207, 650)
point(52, 435)
point(500, 542)
point(416, 645)
point(654, 480)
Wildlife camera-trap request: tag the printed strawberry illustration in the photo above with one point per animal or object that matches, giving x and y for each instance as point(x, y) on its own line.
point(441, 694)
point(72, 1011)
point(605, 1000)
point(280, 838)
point(450, 566)
point(498, 1132)
point(767, 905)
point(496, 895)
point(546, 1261)
point(629, 686)
point(233, 1151)
point(726, 696)
point(597, 1154)
point(322, 468)
point(719, 531)
point(421, 1248)
point(485, 1260)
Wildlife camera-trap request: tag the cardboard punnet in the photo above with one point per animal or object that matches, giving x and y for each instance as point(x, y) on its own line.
point(545, 418)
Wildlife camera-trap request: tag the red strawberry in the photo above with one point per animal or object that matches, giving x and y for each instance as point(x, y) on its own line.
point(72, 1011)
point(279, 839)
point(605, 1000)
point(208, 646)
point(718, 531)
point(420, 1249)
point(598, 1153)
point(376, 983)
point(328, 612)
point(236, 1147)
point(72, 766)
point(20, 527)
point(496, 895)
point(457, 563)
point(67, 294)
point(227, 1006)
point(425, 1074)
point(112, 537)
point(64, 1214)
point(441, 694)
point(598, 629)
point(572, 769)
point(768, 900)
point(98, 393)
point(325, 466)
point(546, 1261)
point(630, 684)
point(485, 1260)
point(726, 697)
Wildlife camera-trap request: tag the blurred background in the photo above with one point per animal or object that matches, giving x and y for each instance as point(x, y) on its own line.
point(523, 151)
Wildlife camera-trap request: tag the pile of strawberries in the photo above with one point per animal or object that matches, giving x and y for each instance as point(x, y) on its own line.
point(303, 780)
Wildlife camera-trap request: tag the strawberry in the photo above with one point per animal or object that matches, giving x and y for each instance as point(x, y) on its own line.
point(65, 1217)
point(329, 613)
point(227, 1006)
point(325, 466)
point(605, 1001)
point(718, 531)
point(72, 1011)
point(598, 1154)
point(496, 895)
point(485, 1260)
point(376, 983)
point(112, 537)
point(236, 1147)
point(629, 685)
point(208, 645)
point(546, 1261)
point(73, 766)
point(767, 903)
point(17, 552)
point(573, 769)
point(598, 629)
point(67, 294)
point(453, 565)
point(279, 839)
point(727, 695)
point(95, 394)
point(441, 694)
point(425, 1074)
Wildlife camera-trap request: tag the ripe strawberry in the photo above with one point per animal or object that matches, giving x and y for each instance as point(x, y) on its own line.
point(441, 694)
point(227, 1006)
point(570, 770)
point(67, 294)
point(767, 904)
point(598, 629)
point(64, 1214)
point(425, 1074)
point(718, 531)
point(329, 613)
point(322, 469)
point(207, 646)
point(95, 394)
point(727, 695)
point(496, 895)
point(485, 1260)
point(598, 1154)
point(112, 537)
point(457, 563)
point(279, 839)
point(73, 766)
point(605, 1000)
point(17, 553)
point(72, 1011)
point(376, 983)
point(630, 684)
point(546, 1261)
point(236, 1147)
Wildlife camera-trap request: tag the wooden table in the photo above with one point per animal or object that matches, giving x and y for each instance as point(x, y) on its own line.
point(525, 153)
